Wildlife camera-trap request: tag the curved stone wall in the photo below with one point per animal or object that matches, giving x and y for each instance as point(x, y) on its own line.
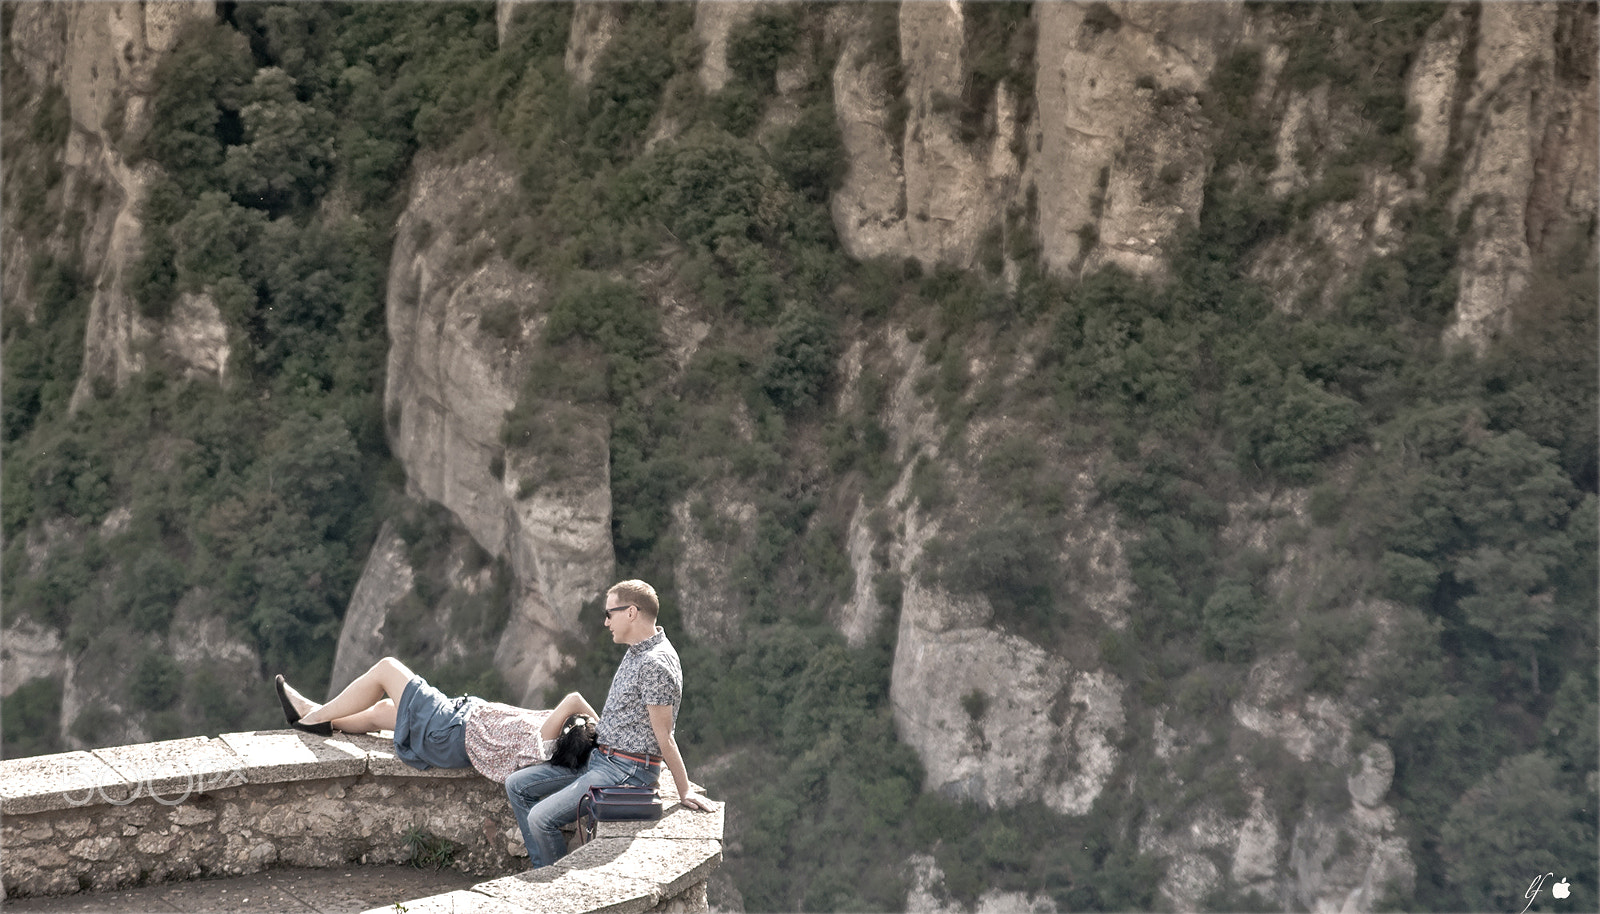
point(245, 802)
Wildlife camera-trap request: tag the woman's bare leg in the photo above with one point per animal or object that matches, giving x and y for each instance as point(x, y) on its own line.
point(386, 678)
point(380, 716)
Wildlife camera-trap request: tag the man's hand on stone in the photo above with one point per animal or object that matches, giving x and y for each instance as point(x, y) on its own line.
point(696, 801)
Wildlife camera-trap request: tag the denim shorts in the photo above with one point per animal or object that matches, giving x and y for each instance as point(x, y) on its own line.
point(430, 728)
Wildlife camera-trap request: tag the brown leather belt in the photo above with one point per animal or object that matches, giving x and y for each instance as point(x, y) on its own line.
point(643, 759)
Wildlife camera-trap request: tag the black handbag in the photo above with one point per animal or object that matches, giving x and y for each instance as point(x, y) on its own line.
point(616, 803)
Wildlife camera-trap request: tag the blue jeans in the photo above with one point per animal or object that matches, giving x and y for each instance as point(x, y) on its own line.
point(545, 797)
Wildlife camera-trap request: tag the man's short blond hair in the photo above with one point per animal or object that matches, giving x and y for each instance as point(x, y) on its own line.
point(639, 594)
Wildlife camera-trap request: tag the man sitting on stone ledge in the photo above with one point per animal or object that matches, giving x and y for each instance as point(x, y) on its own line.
point(432, 730)
point(635, 736)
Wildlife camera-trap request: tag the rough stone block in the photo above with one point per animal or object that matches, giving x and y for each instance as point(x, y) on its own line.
point(667, 789)
point(454, 903)
point(648, 859)
point(38, 833)
point(274, 756)
point(392, 767)
point(677, 823)
point(97, 849)
point(175, 770)
point(45, 782)
point(554, 890)
point(692, 900)
point(152, 843)
point(366, 742)
point(43, 858)
point(188, 816)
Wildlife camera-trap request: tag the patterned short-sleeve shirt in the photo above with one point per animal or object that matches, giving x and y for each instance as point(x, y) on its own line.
point(501, 739)
point(649, 674)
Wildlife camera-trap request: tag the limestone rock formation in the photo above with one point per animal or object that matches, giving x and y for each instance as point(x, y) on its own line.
point(1109, 165)
point(708, 592)
point(1529, 132)
point(1336, 859)
point(31, 652)
point(859, 617)
point(953, 191)
point(1348, 862)
point(994, 718)
point(706, 588)
point(1369, 785)
point(869, 209)
point(926, 193)
point(103, 57)
point(927, 894)
point(712, 23)
point(450, 382)
point(384, 582)
point(593, 24)
point(1118, 154)
point(1433, 86)
point(912, 426)
point(1105, 180)
point(1319, 857)
point(195, 337)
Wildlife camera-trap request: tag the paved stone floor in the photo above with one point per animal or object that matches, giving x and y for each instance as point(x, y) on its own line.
point(290, 891)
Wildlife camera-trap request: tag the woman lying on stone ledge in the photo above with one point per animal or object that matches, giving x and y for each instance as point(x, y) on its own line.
point(432, 730)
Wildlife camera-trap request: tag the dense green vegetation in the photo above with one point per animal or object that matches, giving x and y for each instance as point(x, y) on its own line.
point(259, 496)
point(1460, 488)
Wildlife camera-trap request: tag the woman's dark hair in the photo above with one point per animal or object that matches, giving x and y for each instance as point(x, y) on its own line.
point(575, 742)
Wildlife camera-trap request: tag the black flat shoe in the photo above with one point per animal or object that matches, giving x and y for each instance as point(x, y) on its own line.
point(323, 729)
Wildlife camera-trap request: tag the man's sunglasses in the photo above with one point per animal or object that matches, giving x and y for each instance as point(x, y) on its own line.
point(618, 609)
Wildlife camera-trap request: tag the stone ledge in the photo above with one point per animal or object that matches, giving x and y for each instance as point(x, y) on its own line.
point(552, 892)
point(616, 858)
point(611, 875)
point(678, 823)
point(71, 816)
point(628, 868)
point(275, 756)
point(173, 768)
point(172, 771)
point(47, 782)
point(455, 902)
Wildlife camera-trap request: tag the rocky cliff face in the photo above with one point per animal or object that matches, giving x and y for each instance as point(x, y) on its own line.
point(996, 718)
point(1501, 89)
point(1109, 166)
point(1528, 133)
point(102, 57)
point(1105, 172)
point(451, 382)
point(1114, 158)
point(1342, 857)
point(712, 23)
point(1104, 164)
point(1099, 156)
point(918, 192)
